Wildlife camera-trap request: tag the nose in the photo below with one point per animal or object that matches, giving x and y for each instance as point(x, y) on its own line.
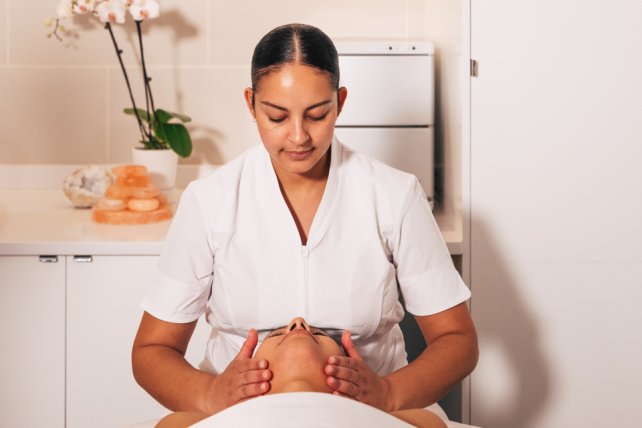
point(298, 134)
point(298, 324)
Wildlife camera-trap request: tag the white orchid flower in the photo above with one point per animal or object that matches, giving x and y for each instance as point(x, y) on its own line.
point(64, 9)
point(82, 7)
point(112, 11)
point(143, 9)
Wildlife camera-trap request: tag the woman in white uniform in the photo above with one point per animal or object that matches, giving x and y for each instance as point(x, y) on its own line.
point(303, 226)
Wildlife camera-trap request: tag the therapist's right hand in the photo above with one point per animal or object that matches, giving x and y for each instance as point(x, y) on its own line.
point(245, 377)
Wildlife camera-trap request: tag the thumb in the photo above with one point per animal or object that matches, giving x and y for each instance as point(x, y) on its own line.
point(247, 350)
point(348, 346)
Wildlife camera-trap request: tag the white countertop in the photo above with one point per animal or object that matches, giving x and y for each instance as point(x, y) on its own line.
point(43, 222)
point(38, 222)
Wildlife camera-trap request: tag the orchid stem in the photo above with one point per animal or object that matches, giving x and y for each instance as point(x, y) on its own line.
point(149, 99)
point(143, 132)
point(55, 30)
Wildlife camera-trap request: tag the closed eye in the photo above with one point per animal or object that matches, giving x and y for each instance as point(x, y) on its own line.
point(275, 333)
point(276, 120)
point(318, 332)
point(318, 118)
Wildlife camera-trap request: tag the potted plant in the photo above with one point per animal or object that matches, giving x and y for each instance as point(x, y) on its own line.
point(163, 133)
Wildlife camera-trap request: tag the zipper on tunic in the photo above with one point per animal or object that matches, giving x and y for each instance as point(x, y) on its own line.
point(304, 253)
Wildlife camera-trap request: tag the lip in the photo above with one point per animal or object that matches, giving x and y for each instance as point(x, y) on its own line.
point(299, 155)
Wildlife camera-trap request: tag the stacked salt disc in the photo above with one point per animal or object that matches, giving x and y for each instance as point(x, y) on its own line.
point(132, 199)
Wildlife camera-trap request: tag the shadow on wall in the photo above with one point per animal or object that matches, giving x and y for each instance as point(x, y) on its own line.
point(180, 29)
point(205, 141)
point(512, 381)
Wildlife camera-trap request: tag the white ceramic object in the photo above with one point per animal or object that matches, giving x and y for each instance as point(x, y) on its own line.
point(161, 166)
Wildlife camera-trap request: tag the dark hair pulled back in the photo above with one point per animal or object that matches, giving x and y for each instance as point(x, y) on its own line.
point(295, 43)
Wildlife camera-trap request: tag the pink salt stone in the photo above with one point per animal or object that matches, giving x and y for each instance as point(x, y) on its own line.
point(133, 186)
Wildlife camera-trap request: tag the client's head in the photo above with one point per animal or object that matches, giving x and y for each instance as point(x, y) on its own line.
point(298, 355)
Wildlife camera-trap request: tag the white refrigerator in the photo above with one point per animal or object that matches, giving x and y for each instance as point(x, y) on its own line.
point(389, 112)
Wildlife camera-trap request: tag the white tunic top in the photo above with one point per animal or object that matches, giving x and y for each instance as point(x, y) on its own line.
point(233, 252)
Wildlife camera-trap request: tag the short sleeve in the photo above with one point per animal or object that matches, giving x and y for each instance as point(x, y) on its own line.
point(181, 286)
point(427, 277)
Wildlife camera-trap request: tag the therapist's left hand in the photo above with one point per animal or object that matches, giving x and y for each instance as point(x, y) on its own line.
point(350, 376)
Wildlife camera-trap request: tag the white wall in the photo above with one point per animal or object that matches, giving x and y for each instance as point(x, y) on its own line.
point(556, 203)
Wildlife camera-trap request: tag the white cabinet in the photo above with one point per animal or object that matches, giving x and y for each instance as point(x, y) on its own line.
point(103, 312)
point(32, 342)
point(66, 335)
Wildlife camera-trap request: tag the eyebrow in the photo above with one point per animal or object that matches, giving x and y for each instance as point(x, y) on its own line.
point(278, 107)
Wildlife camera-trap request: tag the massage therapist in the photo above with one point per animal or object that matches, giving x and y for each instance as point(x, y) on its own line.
point(301, 225)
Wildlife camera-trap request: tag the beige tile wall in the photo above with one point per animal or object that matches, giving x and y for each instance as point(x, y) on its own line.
point(53, 115)
point(3, 31)
point(239, 25)
point(61, 103)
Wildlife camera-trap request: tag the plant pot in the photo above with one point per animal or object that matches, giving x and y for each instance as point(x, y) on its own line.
point(161, 165)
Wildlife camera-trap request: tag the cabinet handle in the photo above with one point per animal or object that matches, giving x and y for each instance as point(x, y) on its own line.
point(83, 259)
point(48, 259)
point(474, 67)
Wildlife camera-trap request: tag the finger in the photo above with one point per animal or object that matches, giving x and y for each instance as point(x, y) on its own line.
point(252, 390)
point(247, 350)
point(248, 364)
point(348, 346)
point(342, 373)
point(256, 376)
point(348, 362)
point(343, 386)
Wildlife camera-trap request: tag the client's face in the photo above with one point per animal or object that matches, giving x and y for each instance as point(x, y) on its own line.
point(298, 355)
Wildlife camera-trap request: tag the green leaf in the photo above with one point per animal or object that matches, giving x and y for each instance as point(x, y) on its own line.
point(142, 114)
point(170, 115)
point(163, 116)
point(158, 144)
point(177, 137)
point(159, 131)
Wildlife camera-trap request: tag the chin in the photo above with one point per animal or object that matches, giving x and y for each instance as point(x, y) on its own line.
point(315, 161)
point(302, 354)
point(299, 167)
